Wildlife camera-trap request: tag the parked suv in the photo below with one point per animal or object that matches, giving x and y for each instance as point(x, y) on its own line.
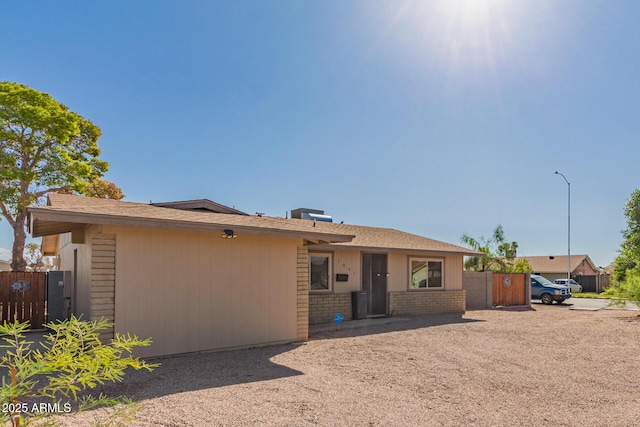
point(547, 291)
point(572, 284)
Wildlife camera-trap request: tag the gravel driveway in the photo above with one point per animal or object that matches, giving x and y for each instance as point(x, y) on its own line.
point(546, 366)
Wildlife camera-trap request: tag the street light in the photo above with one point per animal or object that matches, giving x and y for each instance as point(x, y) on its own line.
point(568, 225)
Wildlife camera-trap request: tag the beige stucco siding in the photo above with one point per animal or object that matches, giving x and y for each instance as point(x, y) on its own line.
point(349, 262)
point(453, 273)
point(398, 272)
point(585, 269)
point(192, 291)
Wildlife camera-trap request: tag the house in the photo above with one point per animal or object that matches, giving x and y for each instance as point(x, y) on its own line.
point(5, 265)
point(583, 270)
point(555, 266)
point(200, 276)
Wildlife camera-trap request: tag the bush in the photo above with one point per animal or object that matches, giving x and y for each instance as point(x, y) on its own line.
point(72, 359)
point(627, 289)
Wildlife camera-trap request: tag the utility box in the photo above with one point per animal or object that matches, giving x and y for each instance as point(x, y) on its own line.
point(359, 304)
point(56, 309)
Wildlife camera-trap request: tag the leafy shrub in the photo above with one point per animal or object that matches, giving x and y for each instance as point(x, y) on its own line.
point(627, 289)
point(72, 359)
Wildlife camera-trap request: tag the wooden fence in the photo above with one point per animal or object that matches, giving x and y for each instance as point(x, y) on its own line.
point(509, 289)
point(22, 296)
point(593, 283)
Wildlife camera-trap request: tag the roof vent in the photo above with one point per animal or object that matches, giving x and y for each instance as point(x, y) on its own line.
point(311, 214)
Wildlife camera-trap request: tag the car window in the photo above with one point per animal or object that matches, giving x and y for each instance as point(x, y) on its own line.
point(542, 281)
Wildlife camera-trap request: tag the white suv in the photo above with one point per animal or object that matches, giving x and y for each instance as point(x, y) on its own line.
point(572, 284)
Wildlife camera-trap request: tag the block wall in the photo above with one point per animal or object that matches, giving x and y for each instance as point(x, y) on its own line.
point(302, 294)
point(324, 307)
point(479, 289)
point(103, 270)
point(416, 303)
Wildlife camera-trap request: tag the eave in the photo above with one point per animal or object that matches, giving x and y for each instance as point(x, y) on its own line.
point(46, 222)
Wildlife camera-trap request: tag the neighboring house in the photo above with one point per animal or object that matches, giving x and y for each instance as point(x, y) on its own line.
point(555, 266)
point(198, 276)
point(5, 265)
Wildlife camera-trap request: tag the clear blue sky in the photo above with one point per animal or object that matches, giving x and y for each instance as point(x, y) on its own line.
point(433, 117)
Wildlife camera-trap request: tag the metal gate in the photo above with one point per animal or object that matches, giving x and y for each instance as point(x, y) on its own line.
point(509, 289)
point(22, 296)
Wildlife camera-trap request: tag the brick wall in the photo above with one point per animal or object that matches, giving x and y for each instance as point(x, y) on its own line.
point(415, 303)
point(103, 279)
point(324, 307)
point(302, 319)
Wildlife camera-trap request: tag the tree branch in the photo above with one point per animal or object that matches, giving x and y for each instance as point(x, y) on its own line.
point(48, 190)
point(39, 151)
point(7, 214)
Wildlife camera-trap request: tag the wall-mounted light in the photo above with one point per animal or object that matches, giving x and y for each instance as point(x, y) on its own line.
point(229, 234)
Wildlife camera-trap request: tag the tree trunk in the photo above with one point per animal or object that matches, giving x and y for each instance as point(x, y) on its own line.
point(19, 237)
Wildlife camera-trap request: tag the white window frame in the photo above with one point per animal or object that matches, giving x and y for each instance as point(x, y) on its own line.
point(427, 260)
point(329, 256)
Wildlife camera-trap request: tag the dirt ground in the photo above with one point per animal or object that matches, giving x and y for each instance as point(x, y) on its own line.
point(548, 366)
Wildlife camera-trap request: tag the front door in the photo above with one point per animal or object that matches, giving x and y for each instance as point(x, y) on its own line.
point(374, 282)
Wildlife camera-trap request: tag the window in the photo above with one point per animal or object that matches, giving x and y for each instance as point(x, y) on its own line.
point(319, 272)
point(425, 273)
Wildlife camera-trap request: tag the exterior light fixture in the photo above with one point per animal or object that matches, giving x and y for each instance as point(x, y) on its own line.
point(229, 234)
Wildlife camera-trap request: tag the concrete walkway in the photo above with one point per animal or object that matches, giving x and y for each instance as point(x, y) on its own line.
point(354, 324)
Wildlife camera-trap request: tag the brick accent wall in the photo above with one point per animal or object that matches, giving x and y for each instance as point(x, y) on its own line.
point(103, 279)
point(324, 307)
point(302, 318)
point(415, 303)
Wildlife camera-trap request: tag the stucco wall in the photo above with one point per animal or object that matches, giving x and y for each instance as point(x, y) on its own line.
point(398, 266)
point(323, 306)
point(347, 262)
point(192, 291)
point(584, 269)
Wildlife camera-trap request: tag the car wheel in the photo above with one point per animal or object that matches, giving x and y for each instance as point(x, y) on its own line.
point(546, 299)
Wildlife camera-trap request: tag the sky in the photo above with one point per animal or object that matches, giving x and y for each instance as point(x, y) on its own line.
point(438, 118)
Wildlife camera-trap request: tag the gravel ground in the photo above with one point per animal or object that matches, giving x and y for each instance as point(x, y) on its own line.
point(546, 366)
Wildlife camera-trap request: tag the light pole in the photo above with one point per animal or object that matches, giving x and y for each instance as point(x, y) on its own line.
point(568, 225)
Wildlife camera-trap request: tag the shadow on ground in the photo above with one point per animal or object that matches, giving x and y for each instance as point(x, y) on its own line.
point(183, 373)
point(403, 324)
point(191, 372)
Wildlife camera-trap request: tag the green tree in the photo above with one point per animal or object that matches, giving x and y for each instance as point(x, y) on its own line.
point(499, 255)
point(626, 272)
point(44, 148)
point(629, 258)
point(35, 259)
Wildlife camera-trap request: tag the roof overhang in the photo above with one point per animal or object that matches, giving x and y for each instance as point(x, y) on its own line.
point(434, 252)
point(49, 245)
point(44, 221)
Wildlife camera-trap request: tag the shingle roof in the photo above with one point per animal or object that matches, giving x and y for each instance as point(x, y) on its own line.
point(390, 239)
point(555, 263)
point(200, 205)
point(65, 211)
